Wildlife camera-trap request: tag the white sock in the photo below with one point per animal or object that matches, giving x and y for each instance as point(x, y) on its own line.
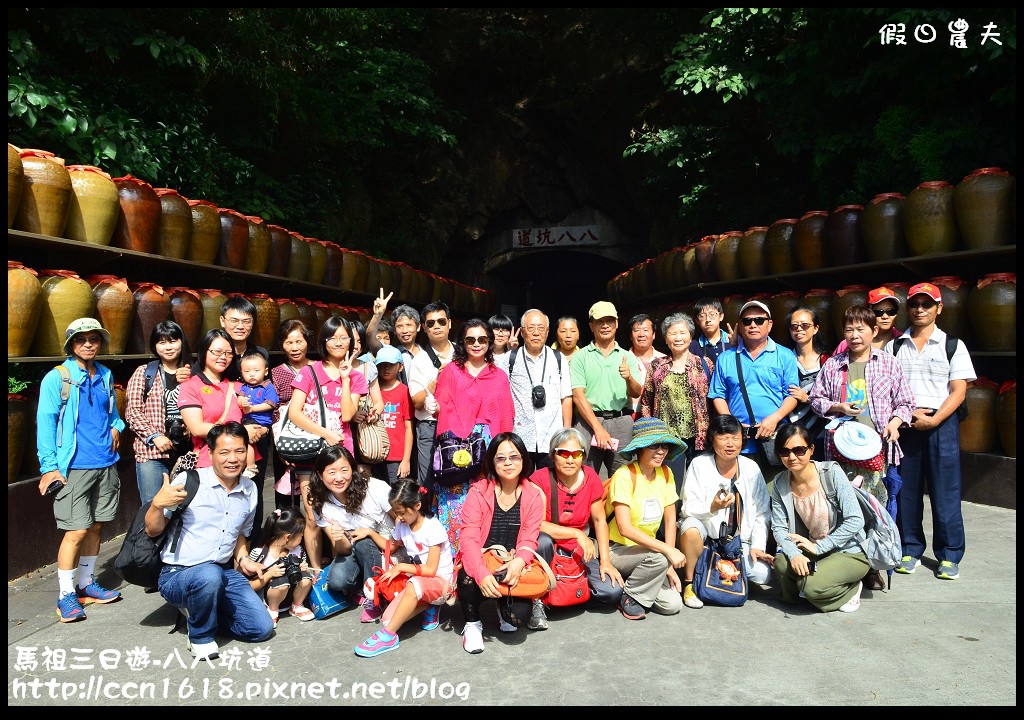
point(85, 567)
point(66, 581)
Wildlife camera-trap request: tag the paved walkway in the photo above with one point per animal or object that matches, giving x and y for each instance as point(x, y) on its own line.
point(925, 642)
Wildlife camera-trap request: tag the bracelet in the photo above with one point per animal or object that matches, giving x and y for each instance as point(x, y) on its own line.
point(419, 570)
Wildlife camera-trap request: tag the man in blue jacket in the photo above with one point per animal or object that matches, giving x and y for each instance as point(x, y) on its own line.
point(77, 434)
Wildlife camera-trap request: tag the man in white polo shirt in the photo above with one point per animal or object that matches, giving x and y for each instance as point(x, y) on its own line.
point(423, 370)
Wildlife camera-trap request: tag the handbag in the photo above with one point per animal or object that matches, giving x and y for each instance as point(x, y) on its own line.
point(380, 590)
point(720, 575)
point(535, 582)
point(372, 439)
point(458, 459)
point(323, 601)
point(767, 444)
point(571, 584)
point(292, 443)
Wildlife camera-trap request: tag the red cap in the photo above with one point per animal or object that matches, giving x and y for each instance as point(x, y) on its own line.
point(882, 293)
point(925, 288)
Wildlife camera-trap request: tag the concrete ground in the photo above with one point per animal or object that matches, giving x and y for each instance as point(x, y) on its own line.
point(924, 642)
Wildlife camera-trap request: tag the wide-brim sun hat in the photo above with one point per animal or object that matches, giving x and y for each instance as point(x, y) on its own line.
point(84, 325)
point(857, 441)
point(649, 431)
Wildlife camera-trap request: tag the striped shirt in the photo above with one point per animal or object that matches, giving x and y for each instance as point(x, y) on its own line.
point(929, 371)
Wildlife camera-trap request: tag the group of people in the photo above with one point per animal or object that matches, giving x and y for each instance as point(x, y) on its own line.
point(724, 418)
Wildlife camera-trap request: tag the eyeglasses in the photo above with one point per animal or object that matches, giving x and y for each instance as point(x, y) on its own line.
point(502, 459)
point(90, 339)
point(536, 328)
point(885, 312)
point(337, 340)
point(664, 447)
point(799, 451)
point(566, 454)
point(436, 321)
point(708, 315)
point(220, 353)
point(926, 305)
point(236, 322)
point(474, 340)
point(759, 320)
point(801, 326)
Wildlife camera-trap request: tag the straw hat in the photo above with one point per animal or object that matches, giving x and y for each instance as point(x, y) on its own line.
point(857, 441)
point(649, 431)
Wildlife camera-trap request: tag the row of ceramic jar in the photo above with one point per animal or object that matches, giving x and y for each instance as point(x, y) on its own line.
point(83, 203)
point(936, 217)
point(991, 423)
point(40, 306)
point(983, 313)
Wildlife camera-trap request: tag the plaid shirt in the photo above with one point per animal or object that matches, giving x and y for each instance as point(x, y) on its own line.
point(145, 418)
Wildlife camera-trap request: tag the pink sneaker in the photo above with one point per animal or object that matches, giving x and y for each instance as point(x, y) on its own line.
point(371, 613)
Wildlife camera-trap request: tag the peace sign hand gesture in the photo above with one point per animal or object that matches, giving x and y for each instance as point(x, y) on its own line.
point(513, 340)
point(380, 304)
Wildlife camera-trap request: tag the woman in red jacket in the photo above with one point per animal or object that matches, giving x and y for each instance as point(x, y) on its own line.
point(500, 509)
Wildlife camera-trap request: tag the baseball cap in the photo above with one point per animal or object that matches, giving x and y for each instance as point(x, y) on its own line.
point(757, 304)
point(603, 309)
point(84, 325)
point(882, 293)
point(925, 288)
point(388, 354)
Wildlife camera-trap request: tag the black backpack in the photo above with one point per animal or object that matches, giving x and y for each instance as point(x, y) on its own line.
point(138, 562)
point(962, 411)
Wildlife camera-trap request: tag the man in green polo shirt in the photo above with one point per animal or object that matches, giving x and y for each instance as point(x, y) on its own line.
point(604, 376)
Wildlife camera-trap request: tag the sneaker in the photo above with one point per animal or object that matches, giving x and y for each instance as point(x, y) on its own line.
point(69, 609)
point(371, 613)
point(538, 618)
point(947, 570)
point(302, 612)
point(690, 598)
point(204, 651)
point(379, 643)
point(631, 609)
point(907, 565)
point(431, 617)
point(853, 604)
point(473, 638)
point(94, 593)
point(507, 621)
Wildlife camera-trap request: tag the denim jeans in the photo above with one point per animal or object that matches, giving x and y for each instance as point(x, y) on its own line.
point(150, 476)
point(348, 573)
point(216, 599)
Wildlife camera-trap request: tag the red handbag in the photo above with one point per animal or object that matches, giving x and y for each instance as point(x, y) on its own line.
point(571, 584)
point(381, 591)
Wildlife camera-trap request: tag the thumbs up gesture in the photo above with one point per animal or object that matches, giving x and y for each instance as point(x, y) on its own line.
point(169, 496)
point(624, 369)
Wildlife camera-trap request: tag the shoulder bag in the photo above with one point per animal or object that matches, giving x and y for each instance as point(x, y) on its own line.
point(372, 438)
point(767, 444)
point(535, 582)
point(292, 443)
point(571, 584)
point(720, 575)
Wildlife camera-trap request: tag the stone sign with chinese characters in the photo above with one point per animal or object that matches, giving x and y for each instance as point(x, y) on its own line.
point(555, 237)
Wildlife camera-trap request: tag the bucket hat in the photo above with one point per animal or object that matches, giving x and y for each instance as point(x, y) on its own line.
point(857, 441)
point(649, 431)
point(84, 325)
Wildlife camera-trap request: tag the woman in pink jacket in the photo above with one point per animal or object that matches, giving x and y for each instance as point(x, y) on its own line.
point(500, 509)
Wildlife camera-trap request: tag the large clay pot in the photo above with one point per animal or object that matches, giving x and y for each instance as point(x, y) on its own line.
point(205, 242)
point(404, 291)
point(362, 270)
point(286, 310)
point(992, 307)
point(843, 242)
point(731, 308)
point(778, 247)
point(234, 238)
point(929, 220)
point(706, 259)
point(781, 305)
point(397, 277)
point(127, 438)
point(298, 263)
point(257, 256)
point(663, 271)
point(15, 179)
point(317, 261)
point(323, 312)
point(280, 251)
point(65, 298)
point(138, 215)
point(978, 432)
point(953, 319)
point(20, 423)
point(821, 300)
point(187, 310)
point(307, 314)
point(900, 288)
point(881, 226)
point(690, 270)
point(809, 240)
point(30, 457)
point(212, 300)
point(373, 279)
point(751, 252)
point(335, 262)
point(174, 231)
point(152, 307)
point(1006, 417)
point(846, 298)
point(115, 305)
point(24, 302)
point(92, 216)
point(45, 194)
point(726, 257)
point(984, 202)
point(268, 318)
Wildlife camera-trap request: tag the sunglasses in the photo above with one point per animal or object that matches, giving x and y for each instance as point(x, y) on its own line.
point(567, 454)
point(885, 312)
point(801, 326)
point(928, 305)
point(436, 321)
point(799, 451)
point(474, 340)
point(665, 447)
point(759, 321)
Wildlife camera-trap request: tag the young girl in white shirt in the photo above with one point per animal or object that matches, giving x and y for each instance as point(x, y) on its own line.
point(281, 557)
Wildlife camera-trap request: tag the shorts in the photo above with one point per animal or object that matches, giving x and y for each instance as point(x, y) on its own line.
point(90, 496)
point(432, 590)
point(692, 522)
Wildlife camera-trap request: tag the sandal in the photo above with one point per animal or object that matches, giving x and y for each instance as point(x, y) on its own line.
point(302, 612)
